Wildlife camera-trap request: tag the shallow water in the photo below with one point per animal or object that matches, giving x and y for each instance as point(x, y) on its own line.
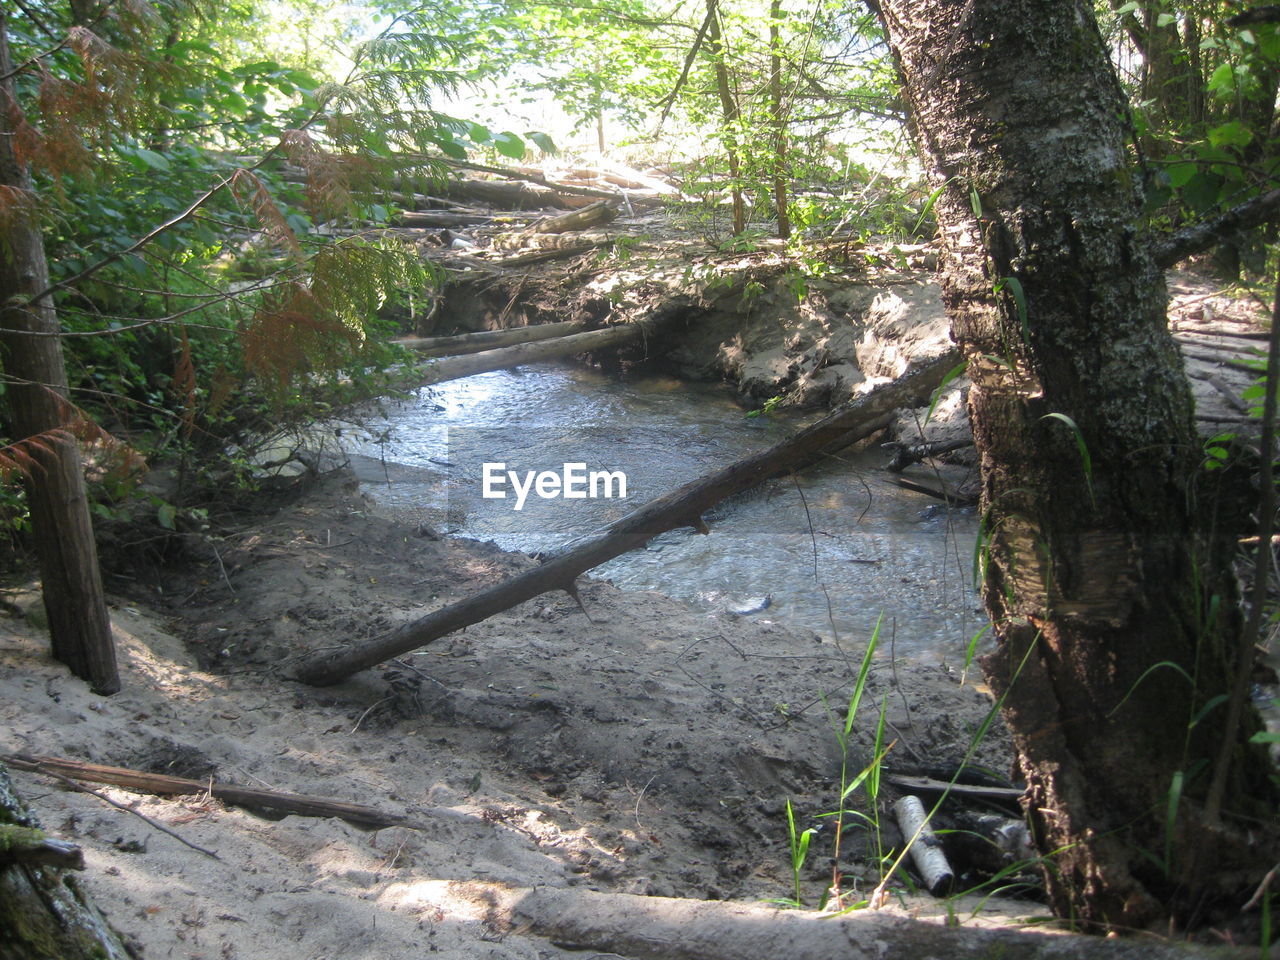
point(877, 548)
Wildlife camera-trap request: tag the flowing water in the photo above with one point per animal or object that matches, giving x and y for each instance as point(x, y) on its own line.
point(877, 549)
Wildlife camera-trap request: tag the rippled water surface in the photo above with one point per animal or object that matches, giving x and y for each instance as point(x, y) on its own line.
point(879, 549)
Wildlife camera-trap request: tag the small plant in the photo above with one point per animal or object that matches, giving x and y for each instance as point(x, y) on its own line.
point(799, 845)
point(769, 406)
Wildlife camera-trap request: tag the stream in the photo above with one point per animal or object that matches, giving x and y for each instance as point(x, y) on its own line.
point(877, 549)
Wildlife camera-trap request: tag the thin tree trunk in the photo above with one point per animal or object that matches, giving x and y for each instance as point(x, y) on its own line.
point(779, 120)
point(728, 112)
point(1114, 610)
point(36, 390)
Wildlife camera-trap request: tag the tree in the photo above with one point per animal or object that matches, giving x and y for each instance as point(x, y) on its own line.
point(1111, 599)
point(79, 628)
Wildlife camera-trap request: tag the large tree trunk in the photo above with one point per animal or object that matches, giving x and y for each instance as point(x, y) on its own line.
point(36, 389)
point(1101, 586)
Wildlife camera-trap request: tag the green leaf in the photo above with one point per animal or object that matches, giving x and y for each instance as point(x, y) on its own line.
point(1085, 459)
point(1233, 134)
point(543, 142)
point(1014, 286)
point(166, 514)
point(954, 372)
point(1223, 79)
point(452, 148)
point(1181, 173)
point(509, 145)
point(1202, 191)
point(1165, 19)
point(152, 159)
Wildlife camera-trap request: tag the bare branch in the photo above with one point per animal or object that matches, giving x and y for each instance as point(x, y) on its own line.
point(1180, 244)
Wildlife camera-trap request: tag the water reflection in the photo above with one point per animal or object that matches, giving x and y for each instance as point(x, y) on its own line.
point(875, 547)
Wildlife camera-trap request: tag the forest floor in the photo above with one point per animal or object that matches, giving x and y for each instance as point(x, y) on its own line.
point(650, 749)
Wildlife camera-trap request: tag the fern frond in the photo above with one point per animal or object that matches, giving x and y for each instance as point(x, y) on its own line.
point(24, 457)
point(354, 279)
point(292, 334)
point(330, 179)
point(184, 384)
point(253, 193)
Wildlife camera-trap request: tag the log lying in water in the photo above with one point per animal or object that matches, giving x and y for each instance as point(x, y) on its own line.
point(468, 365)
point(681, 508)
point(491, 339)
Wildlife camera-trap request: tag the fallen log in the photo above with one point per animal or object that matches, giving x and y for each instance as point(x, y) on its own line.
point(438, 218)
point(680, 508)
point(593, 215)
point(926, 849)
point(468, 365)
point(667, 928)
point(507, 195)
point(490, 339)
point(161, 785)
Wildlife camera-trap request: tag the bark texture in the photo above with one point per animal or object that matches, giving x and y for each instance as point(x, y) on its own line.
point(1113, 611)
point(44, 913)
point(37, 385)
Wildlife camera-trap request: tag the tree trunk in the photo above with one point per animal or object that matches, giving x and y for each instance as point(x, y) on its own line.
point(729, 112)
point(1114, 612)
point(779, 120)
point(44, 913)
point(36, 390)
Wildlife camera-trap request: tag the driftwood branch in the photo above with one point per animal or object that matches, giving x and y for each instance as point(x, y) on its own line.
point(438, 218)
point(456, 367)
point(681, 508)
point(1181, 244)
point(662, 928)
point(491, 339)
point(593, 215)
point(925, 847)
point(161, 785)
point(905, 454)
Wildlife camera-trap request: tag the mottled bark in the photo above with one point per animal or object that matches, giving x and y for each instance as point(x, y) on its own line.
point(1096, 574)
point(78, 624)
point(44, 912)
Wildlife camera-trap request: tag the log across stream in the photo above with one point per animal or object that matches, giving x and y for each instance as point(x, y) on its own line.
point(906, 556)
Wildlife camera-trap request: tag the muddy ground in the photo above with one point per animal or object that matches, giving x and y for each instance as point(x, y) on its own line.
point(648, 749)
